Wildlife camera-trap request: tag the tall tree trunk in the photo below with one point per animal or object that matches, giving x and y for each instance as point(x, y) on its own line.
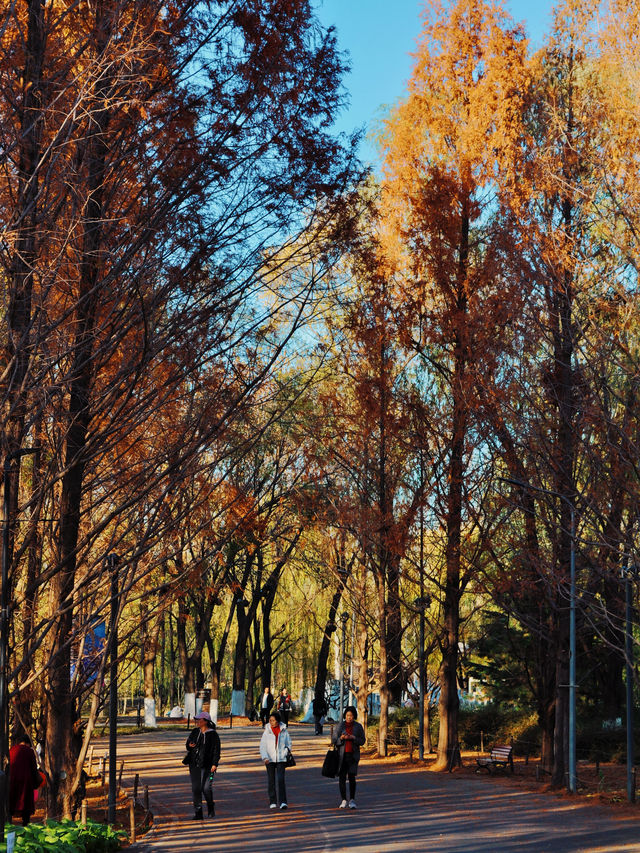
point(267, 647)
point(173, 692)
point(252, 664)
point(24, 701)
point(191, 663)
point(389, 562)
point(320, 686)
point(449, 704)
point(564, 485)
point(15, 353)
point(162, 692)
point(361, 650)
point(394, 630)
point(61, 715)
point(15, 360)
point(245, 613)
point(383, 683)
point(151, 628)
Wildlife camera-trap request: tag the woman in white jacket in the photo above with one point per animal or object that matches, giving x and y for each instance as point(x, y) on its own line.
point(274, 748)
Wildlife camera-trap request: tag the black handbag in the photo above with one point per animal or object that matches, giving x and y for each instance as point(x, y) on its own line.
point(290, 762)
point(187, 759)
point(330, 763)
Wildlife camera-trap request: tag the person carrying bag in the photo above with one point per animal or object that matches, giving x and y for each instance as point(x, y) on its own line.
point(202, 758)
point(348, 739)
point(275, 749)
point(330, 763)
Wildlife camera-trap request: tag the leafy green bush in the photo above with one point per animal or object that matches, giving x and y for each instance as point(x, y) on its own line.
point(595, 743)
point(491, 724)
point(65, 837)
point(398, 729)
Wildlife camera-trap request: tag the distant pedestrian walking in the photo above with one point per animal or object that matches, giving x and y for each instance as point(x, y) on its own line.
point(319, 708)
point(284, 705)
point(349, 737)
point(274, 748)
point(266, 704)
point(203, 749)
point(23, 779)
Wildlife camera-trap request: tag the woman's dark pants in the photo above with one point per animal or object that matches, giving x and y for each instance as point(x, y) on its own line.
point(347, 770)
point(201, 784)
point(275, 781)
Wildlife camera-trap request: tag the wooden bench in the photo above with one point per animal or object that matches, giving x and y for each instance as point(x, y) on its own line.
point(501, 758)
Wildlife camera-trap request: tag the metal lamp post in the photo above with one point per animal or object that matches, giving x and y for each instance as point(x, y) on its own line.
point(627, 572)
point(343, 618)
point(572, 654)
point(572, 778)
point(112, 566)
point(4, 640)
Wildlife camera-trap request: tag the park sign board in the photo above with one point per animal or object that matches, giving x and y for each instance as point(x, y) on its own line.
point(90, 652)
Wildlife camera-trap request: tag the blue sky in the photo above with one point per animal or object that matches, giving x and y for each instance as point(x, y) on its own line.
point(379, 36)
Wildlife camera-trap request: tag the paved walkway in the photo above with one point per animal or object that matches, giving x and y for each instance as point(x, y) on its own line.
point(399, 808)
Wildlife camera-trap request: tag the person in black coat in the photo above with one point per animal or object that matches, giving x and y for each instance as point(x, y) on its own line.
point(319, 708)
point(349, 737)
point(284, 705)
point(203, 745)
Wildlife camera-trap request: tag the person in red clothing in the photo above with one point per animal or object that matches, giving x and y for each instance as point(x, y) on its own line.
point(23, 770)
point(349, 737)
point(284, 705)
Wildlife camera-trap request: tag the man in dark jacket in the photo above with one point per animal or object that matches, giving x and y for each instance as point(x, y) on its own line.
point(266, 704)
point(203, 745)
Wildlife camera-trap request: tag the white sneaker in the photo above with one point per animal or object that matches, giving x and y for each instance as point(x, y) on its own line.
point(273, 806)
point(283, 806)
point(343, 805)
point(352, 804)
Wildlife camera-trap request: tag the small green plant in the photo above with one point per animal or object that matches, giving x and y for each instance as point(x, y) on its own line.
point(66, 836)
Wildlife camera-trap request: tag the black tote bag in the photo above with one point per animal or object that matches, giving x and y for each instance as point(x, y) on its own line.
point(330, 763)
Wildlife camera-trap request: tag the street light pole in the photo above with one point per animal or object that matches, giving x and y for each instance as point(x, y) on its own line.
point(572, 778)
point(421, 674)
point(572, 654)
point(421, 703)
point(631, 788)
point(112, 566)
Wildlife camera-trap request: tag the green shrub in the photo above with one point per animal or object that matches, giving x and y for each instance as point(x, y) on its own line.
point(65, 837)
point(490, 724)
point(595, 743)
point(398, 727)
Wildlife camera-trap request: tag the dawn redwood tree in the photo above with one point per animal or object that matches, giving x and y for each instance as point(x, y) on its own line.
point(563, 406)
point(449, 149)
point(544, 440)
point(152, 158)
point(611, 363)
point(342, 566)
point(356, 442)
